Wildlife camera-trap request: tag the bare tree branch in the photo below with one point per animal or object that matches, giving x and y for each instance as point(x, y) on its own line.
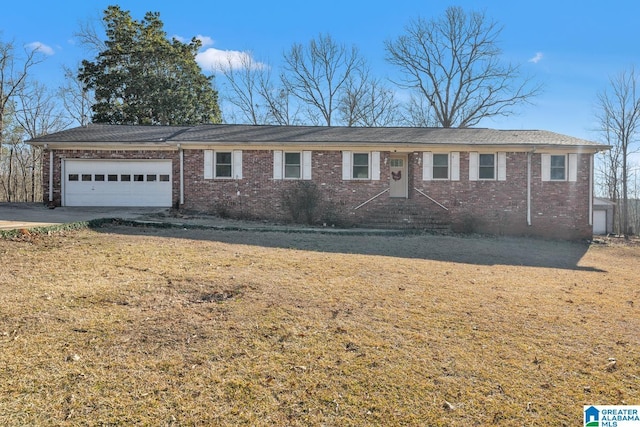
point(454, 63)
point(75, 98)
point(318, 74)
point(619, 118)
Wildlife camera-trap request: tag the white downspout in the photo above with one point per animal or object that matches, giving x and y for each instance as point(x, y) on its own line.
point(50, 176)
point(529, 188)
point(591, 190)
point(181, 175)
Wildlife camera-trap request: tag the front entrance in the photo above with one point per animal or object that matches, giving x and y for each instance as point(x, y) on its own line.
point(398, 180)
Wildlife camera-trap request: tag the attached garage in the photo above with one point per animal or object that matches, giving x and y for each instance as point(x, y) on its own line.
point(116, 183)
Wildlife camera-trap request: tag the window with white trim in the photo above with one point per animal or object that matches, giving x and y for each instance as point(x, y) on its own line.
point(486, 166)
point(291, 164)
point(223, 164)
point(557, 168)
point(360, 166)
point(440, 166)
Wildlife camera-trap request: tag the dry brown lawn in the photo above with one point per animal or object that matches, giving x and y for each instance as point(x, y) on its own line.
point(144, 326)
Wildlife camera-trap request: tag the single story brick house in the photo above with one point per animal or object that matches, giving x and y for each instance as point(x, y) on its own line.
point(516, 182)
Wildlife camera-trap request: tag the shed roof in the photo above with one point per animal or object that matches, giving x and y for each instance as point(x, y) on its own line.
point(98, 134)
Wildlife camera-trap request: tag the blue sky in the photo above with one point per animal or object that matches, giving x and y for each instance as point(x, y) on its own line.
point(571, 47)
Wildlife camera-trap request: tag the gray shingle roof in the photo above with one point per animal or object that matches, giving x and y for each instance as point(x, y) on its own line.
point(260, 135)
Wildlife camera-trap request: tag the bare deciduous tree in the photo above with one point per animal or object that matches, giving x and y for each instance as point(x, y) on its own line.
point(318, 75)
point(14, 71)
point(243, 76)
point(368, 102)
point(417, 113)
point(75, 98)
point(89, 37)
point(619, 119)
point(454, 63)
point(253, 93)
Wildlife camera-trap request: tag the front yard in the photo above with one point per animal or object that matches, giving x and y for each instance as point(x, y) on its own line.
point(145, 326)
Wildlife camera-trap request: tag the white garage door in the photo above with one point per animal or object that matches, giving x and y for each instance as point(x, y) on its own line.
point(599, 222)
point(117, 183)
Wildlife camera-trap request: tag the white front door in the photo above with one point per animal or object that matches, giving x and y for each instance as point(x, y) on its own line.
point(398, 179)
point(117, 183)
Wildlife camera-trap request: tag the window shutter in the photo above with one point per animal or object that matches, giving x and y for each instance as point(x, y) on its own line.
point(455, 165)
point(277, 164)
point(502, 166)
point(375, 165)
point(346, 165)
point(545, 160)
point(573, 167)
point(427, 166)
point(208, 164)
point(237, 164)
point(306, 165)
point(473, 166)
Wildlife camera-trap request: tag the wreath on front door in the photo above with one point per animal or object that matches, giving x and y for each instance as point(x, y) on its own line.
point(397, 176)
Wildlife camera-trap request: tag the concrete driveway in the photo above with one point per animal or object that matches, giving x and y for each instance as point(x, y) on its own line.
point(27, 215)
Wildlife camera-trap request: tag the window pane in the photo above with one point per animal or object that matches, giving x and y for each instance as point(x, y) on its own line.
point(73, 177)
point(361, 172)
point(485, 173)
point(223, 158)
point(361, 165)
point(396, 163)
point(164, 178)
point(112, 178)
point(99, 177)
point(292, 165)
point(86, 177)
point(291, 171)
point(138, 178)
point(487, 166)
point(223, 171)
point(223, 165)
point(558, 168)
point(291, 158)
point(557, 174)
point(361, 159)
point(487, 160)
point(440, 160)
point(440, 172)
point(440, 166)
point(151, 178)
point(125, 178)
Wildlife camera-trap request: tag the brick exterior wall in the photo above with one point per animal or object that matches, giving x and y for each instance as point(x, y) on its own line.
point(558, 209)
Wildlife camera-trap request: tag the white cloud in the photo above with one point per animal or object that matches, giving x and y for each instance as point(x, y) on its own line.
point(41, 47)
point(537, 58)
point(215, 60)
point(205, 40)
point(212, 59)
